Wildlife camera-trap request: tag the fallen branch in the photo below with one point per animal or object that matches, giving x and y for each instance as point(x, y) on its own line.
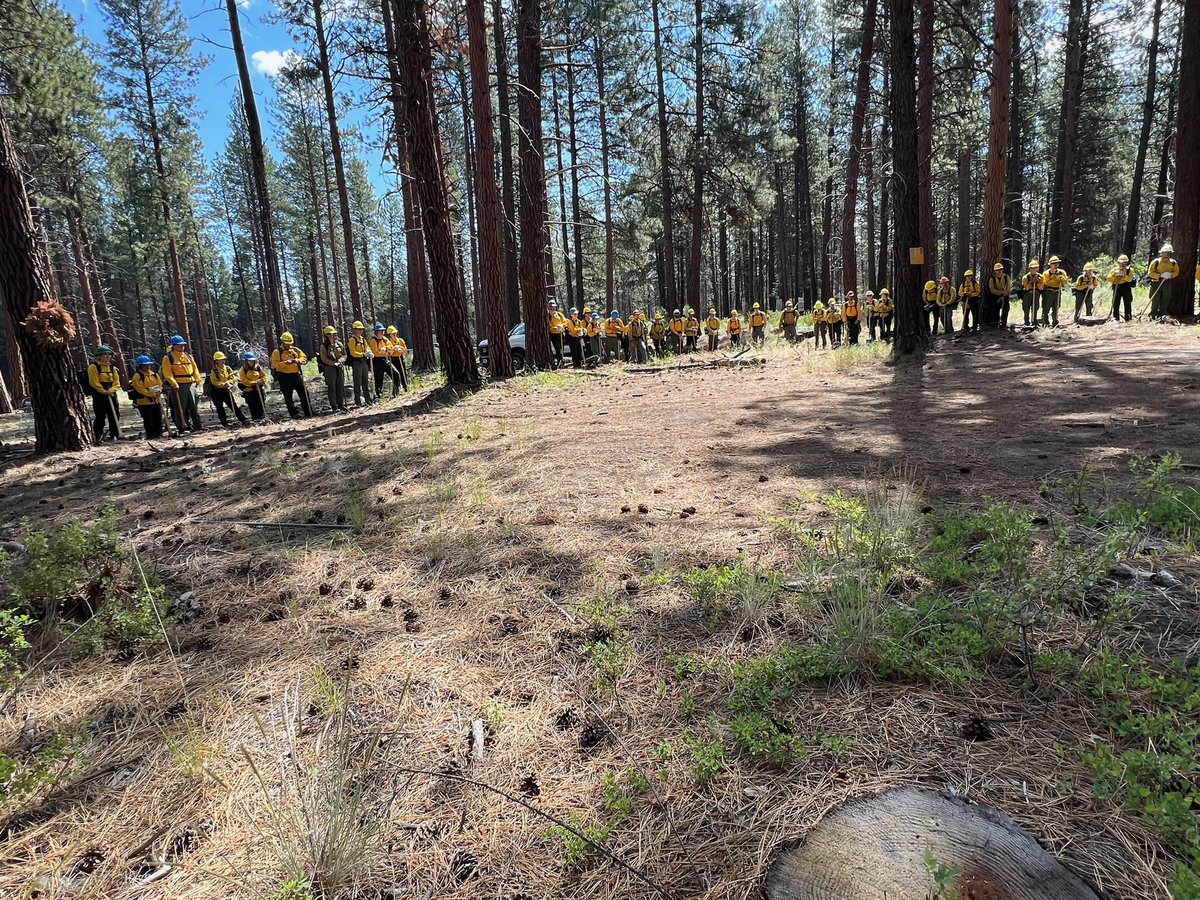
point(316, 525)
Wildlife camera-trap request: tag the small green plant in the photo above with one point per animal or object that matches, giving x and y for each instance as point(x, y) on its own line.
point(435, 444)
point(576, 848)
point(46, 767)
point(942, 879)
point(738, 590)
point(328, 695)
point(707, 757)
point(295, 888)
point(763, 737)
point(609, 655)
point(356, 509)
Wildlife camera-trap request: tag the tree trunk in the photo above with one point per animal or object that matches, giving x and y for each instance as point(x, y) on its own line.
point(576, 213)
point(41, 327)
point(1000, 107)
point(339, 167)
point(869, 182)
point(1013, 243)
point(265, 216)
point(924, 120)
point(664, 150)
point(693, 275)
point(827, 200)
point(491, 246)
point(962, 237)
point(18, 385)
point(1062, 196)
point(470, 177)
point(1187, 165)
point(415, 65)
point(564, 233)
point(602, 104)
point(512, 283)
point(85, 285)
point(1132, 221)
point(535, 234)
point(1159, 222)
point(911, 335)
point(862, 90)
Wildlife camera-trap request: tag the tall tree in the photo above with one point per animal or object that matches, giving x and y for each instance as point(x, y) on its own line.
point(491, 246)
point(997, 148)
point(508, 175)
point(1062, 194)
point(1134, 211)
point(668, 291)
point(43, 329)
point(698, 163)
point(1187, 164)
point(602, 113)
point(862, 90)
point(415, 65)
point(924, 132)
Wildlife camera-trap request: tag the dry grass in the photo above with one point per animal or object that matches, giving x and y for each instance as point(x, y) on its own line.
point(493, 539)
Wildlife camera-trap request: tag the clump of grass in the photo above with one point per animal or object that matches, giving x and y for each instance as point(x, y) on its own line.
point(846, 358)
point(740, 591)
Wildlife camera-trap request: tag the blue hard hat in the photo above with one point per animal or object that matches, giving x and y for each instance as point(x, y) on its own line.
point(379, 327)
point(615, 314)
point(248, 356)
point(177, 341)
point(573, 311)
point(144, 360)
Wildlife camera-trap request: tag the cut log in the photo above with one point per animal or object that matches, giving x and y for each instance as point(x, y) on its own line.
point(879, 849)
point(1094, 320)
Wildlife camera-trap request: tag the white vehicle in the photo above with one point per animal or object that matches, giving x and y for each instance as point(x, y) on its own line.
point(516, 346)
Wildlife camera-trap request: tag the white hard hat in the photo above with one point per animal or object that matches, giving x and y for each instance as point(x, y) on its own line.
point(1167, 248)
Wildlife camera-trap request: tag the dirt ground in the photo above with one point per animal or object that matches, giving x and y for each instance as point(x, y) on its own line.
point(485, 528)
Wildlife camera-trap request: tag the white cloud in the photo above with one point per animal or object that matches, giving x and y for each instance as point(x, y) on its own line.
point(272, 62)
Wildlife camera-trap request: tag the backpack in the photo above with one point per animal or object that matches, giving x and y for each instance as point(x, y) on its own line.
point(85, 382)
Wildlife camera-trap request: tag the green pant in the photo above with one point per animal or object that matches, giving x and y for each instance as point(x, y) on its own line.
point(184, 411)
point(335, 386)
point(1160, 298)
point(1051, 297)
point(360, 368)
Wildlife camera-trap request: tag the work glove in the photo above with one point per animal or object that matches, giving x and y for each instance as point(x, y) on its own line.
point(1166, 276)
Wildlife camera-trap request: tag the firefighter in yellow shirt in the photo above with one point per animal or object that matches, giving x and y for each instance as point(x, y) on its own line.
point(946, 299)
point(181, 375)
point(397, 359)
point(287, 361)
point(883, 312)
point(852, 315)
point(558, 328)
point(712, 329)
point(969, 292)
point(1162, 271)
point(331, 360)
point(677, 325)
point(787, 321)
point(594, 328)
point(658, 335)
point(614, 329)
point(103, 383)
point(820, 326)
point(1121, 279)
point(253, 383)
point(691, 331)
point(359, 352)
point(1083, 289)
point(1054, 280)
point(146, 389)
point(220, 382)
point(833, 318)
point(995, 307)
point(381, 353)
point(575, 333)
point(1031, 290)
point(929, 307)
point(635, 330)
point(733, 328)
point(758, 325)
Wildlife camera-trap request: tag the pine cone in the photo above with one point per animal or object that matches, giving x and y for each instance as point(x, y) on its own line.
point(50, 325)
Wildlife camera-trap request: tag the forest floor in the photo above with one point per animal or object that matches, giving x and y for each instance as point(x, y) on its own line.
point(598, 567)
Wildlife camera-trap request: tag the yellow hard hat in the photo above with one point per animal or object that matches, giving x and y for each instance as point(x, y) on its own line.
point(884, 291)
point(818, 305)
point(929, 285)
point(219, 355)
point(1035, 265)
point(789, 303)
point(658, 317)
point(1123, 258)
point(357, 325)
point(831, 301)
point(329, 329)
point(757, 306)
point(998, 267)
point(286, 337)
point(1088, 266)
point(712, 311)
point(1055, 259)
point(391, 329)
point(970, 273)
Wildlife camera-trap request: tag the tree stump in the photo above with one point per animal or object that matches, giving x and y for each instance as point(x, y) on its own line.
point(876, 849)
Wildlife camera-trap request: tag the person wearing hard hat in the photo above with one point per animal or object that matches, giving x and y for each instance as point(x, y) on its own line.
point(969, 292)
point(181, 375)
point(852, 316)
point(999, 286)
point(287, 361)
point(381, 351)
point(146, 389)
point(103, 382)
point(218, 386)
point(677, 326)
point(397, 360)
point(1121, 278)
point(867, 315)
point(576, 332)
point(1162, 270)
point(758, 325)
point(658, 335)
point(946, 299)
point(820, 326)
point(733, 327)
point(691, 331)
point(636, 332)
point(1083, 289)
point(331, 360)
point(252, 381)
point(833, 316)
point(712, 329)
point(614, 328)
point(1054, 279)
point(787, 321)
point(359, 352)
point(558, 327)
point(884, 309)
point(1031, 289)
point(930, 308)
point(594, 328)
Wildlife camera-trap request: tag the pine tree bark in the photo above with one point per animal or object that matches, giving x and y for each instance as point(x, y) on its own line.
point(1187, 166)
point(1158, 229)
point(40, 328)
point(1013, 242)
point(698, 150)
point(491, 244)
point(568, 278)
point(339, 166)
point(924, 120)
point(508, 175)
point(415, 66)
point(911, 335)
point(576, 213)
point(1000, 106)
point(669, 291)
point(962, 232)
point(862, 89)
point(602, 103)
point(1062, 196)
point(535, 233)
point(1134, 212)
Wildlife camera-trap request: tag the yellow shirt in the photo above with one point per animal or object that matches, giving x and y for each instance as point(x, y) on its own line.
point(658, 331)
point(788, 316)
point(558, 322)
point(179, 368)
point(1117, 276)
point(883, 306)
point(1086, 282)
point(999, 286)
point(593, 328)
point(288, 359)
point(251, 379)
point(691, 327)
point(712, 325)
point(970, 288)
point(636, 328)
point(851, 310)
point(1055, 280)
point(221, 376)
point(677, 325)
point(103, 379)
point(734, 325)
point(929, 298)
point(944, 295)
point(613, 327)
point(576, 328)
point(142, 386)
point(1158, 268)
point(1031, 281)
point(397, 346)
point(357, 347)
point(758, 318)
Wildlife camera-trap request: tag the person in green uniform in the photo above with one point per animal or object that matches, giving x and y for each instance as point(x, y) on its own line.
point(146, 389)
point(787, 321)
point(104, 382)
point(360, 364)
point(1083, 289)
point(1054, 279)
point(331, 357)
point(995, 310)
point(1121, 279)
point(1161, 272)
